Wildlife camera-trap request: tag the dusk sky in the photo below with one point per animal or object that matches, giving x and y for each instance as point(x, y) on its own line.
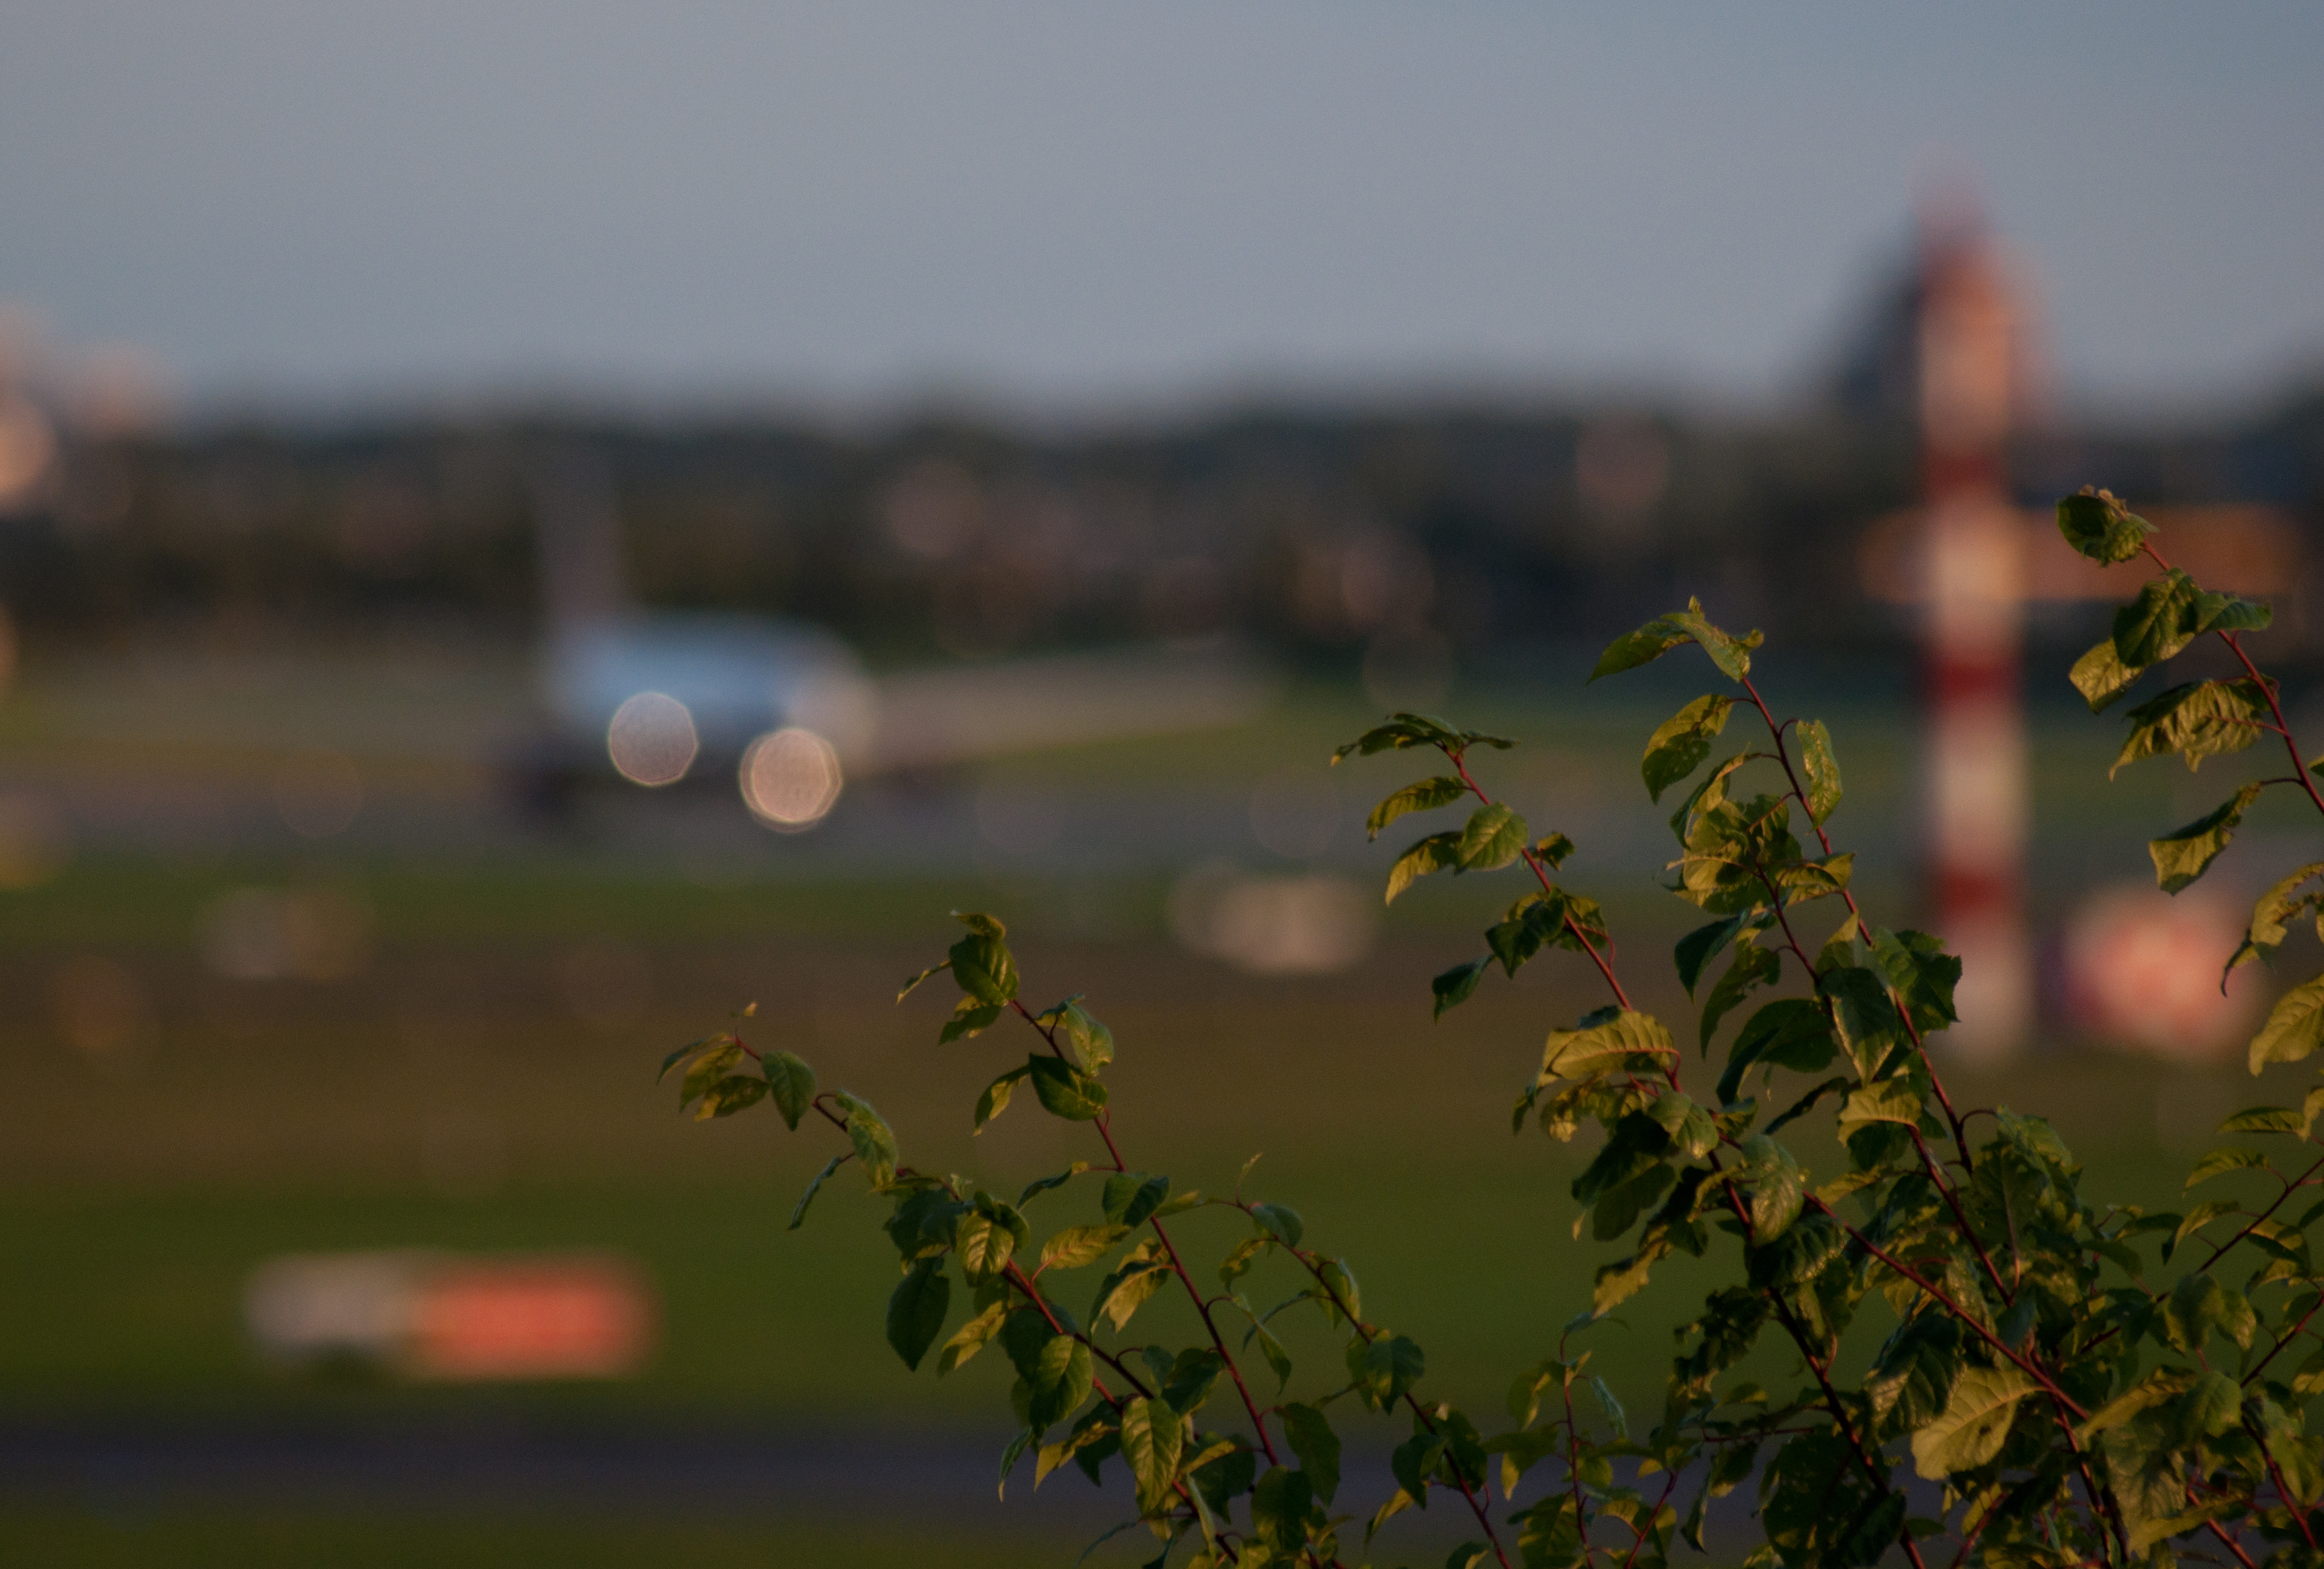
point(1079, 207)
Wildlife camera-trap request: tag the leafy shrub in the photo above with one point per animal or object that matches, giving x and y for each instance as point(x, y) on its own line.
point(2074, 1382)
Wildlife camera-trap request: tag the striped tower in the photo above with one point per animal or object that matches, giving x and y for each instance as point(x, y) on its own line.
point(1968, 362)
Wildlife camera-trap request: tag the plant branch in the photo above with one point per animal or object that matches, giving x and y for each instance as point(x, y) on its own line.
point(2024, 1364)
point(2267, 690)
point(2289, 1189)
point(1784, 758)
point(1541, 874)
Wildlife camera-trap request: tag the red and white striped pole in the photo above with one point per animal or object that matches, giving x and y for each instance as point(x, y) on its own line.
point(1977, 776)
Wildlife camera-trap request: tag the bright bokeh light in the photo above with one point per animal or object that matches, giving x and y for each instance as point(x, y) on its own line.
point(790, 779)
point(651, 739)
point(2142, 972)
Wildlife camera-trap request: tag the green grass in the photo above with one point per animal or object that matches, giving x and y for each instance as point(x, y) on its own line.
point(195, 1538)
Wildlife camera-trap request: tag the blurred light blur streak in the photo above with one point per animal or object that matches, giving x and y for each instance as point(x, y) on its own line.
point(1970, 346)
point(790, 779)
point(36, 842)
point(446, 1317)
point(102, 1009)
point(2143, 972)
point(651, 739)
point(1313, 925)
point(270, 933)
point(319, 794)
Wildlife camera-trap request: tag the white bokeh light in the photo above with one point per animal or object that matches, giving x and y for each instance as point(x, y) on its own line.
point(790, 779)
point(651, 739)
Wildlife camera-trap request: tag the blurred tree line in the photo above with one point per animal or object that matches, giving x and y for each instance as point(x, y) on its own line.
point(1321, 533)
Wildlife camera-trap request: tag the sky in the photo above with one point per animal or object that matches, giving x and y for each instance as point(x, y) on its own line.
point(1079, 207)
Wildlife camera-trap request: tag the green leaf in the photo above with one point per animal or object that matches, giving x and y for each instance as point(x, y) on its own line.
point(1130, 1287)
point(2266, 1120)
point(1678, 748)
point(1665, 633)
point(1822, 770)
point(1869, 1025)
point(1279, 1504)
point(1552, 849)
point(2157, 1387)
point(916, 1313)
point(1688, 1127)
point(2225, 613)
point(2159, 622)
point(1607, 1041)
point(1974, 1424)
point(912, 984)
point(1065, 1090)
point(1791, 1032)
point(1405, 730)
point(1436, 853)
point(1495, 836)
point(1061, 1382)
point(1616, 1417)
point(1309, 1433)
point(792, 1083)
point(1385, 1368)
point(971, 1337)
point(1129, 1197)
point(1922, 973)
point(2101, 676)
point(1413, 1462)
point(729, 1095)
point(1343, 1299)
point(1239, 1259)
point(2226, 1158)
point(1281, 1222)
point(1753, 968)
point(875, 1144)
point(2199, 1307)
point(1696, 950)
point(1077, 1246)
point(986, 1245)
point(1044, 1184)
point(983, 964)
point(969, 1018)
point(1778, 1188)
point(1277, 1359)
point(2294, 1027)
point(1427, 796)
point(798, 1211)
point(2198, 720)
point(2183, 854)
point(1091, 1041)
point(707, 1070)
point(2100, 527)
point(1457, 984)
point(995, 1098)
point(720, 1039)
point(1151, 1439)
point(2277, 906)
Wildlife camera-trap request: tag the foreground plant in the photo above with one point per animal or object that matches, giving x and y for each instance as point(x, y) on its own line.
point(2073, 1383)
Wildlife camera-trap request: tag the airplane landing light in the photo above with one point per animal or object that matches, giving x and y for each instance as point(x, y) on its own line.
point(790, 779)
point(651, 739)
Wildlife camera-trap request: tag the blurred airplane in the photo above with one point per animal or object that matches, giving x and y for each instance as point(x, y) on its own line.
point(785, 706)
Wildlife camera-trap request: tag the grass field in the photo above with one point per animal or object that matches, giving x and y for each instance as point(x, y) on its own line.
point(448, 1094)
